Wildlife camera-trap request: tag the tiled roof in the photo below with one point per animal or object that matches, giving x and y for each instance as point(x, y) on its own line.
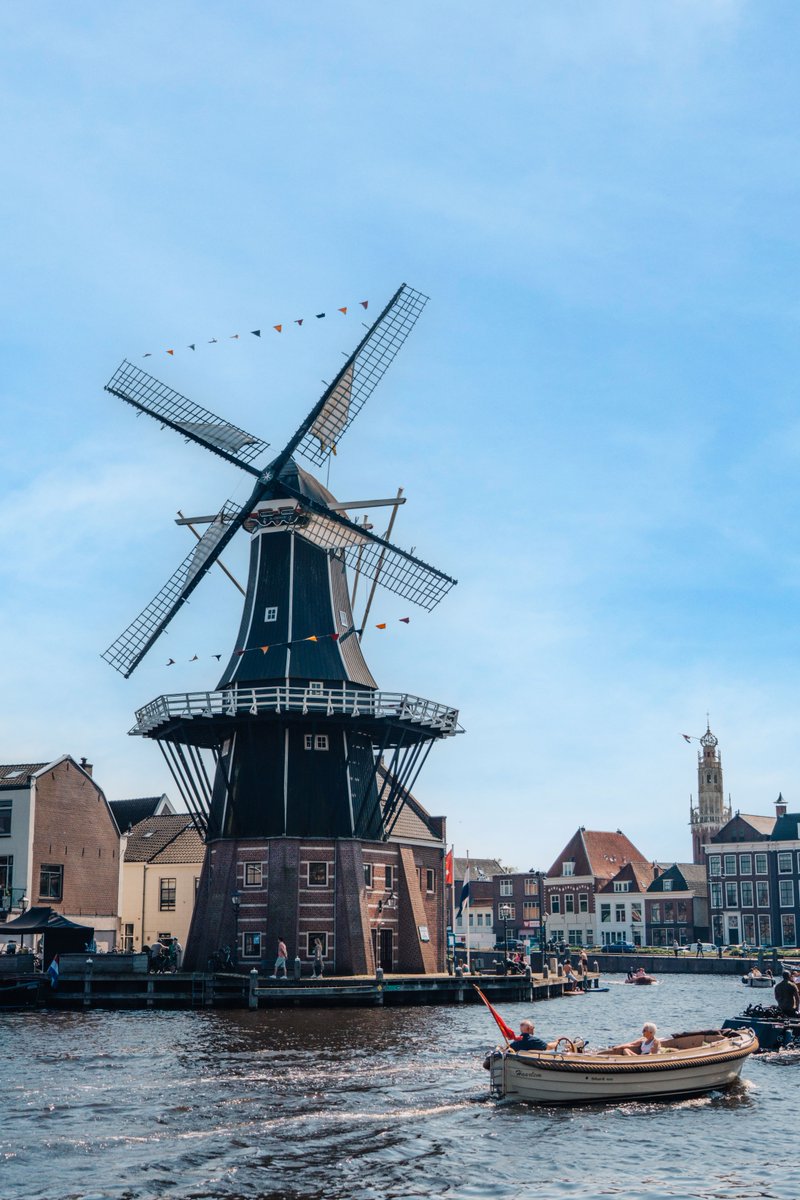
point(131, 812)
point(19, 772)
point(171, 838)
point(598, 853)
point(413, 820)
point(787, 828)
point(762, 824)
point(478, 867)
point(638, 873)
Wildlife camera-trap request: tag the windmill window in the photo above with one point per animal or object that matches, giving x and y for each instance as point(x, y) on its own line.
point(430, 880)
point(389, 884)
point(252, 945)
point(321, 741)
point(315, 685)
point(271, 614)
point(343, 620)
point(252, 874)
point(368, 875)
point(317, 874)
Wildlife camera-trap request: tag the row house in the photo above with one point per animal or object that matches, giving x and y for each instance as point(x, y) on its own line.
point(478, 917)
point(517, 900)
point(590, 862)
point(753, 866)
point(162, 857)
point(676, 905)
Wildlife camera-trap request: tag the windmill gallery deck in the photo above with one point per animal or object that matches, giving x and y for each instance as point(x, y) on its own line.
point(297, 769)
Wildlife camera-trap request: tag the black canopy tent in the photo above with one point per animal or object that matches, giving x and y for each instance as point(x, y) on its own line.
point(59, 935)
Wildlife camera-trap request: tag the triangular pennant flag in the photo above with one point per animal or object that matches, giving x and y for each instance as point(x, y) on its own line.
point(364, 303)
point(335, 637)
point(320, 316)
point(343, 310)
point(256, 332)
point(233, 336)
point(148, 355)
point(405, 620)
point(279, 328)
point(313, 638)
point(193, 658)
point(170, 352)
point(191, 347)
point(171, 661)
point(299, 321)
point(264, 649)
point(240, 652)
point(212, 341)
point(381, 626)
point(216, 656)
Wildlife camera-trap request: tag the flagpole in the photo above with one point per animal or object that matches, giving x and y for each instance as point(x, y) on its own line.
point(453, 900)
point(466, 918)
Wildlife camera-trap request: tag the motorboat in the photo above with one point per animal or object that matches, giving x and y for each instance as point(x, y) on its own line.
point(688, 1064)
point(641, 977)
point(758, 980)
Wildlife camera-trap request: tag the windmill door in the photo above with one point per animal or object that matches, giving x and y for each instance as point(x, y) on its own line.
point(385, 949)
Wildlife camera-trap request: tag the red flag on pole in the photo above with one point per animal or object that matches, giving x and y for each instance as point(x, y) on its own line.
point(506, 1030)
point(448, 867)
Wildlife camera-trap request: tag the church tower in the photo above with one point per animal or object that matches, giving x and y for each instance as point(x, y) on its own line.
point(711, 812)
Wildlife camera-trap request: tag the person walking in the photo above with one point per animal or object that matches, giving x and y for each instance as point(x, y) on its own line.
point(280, 962)
point(699, 951)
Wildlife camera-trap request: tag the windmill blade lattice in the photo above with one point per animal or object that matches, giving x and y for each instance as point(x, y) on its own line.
point(354, 384)
point(149, 395)
point(375, 558)
point(130, 647)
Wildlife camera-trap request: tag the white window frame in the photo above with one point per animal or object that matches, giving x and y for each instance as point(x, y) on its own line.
point(506, 887)
point(270, 613)
point(784, 862)
point(319, 863)
point(714, 864)
point(761, 864)
point(786, 893)
point(745, 864)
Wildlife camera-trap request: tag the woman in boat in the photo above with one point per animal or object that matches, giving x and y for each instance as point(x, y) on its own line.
point(648, 1043)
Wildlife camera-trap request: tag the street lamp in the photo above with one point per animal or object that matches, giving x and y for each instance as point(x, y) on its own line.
point(504, 913)
point(236, 900)
point(542, 920)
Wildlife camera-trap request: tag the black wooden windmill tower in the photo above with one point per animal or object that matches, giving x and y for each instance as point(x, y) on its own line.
point(307, 809)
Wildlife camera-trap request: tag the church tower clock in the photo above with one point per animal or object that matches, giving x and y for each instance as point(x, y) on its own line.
point(711, 812)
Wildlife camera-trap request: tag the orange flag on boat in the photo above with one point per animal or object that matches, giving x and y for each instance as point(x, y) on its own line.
point(506, 1030)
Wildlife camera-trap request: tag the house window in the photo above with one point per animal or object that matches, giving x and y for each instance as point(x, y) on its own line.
point(730, 864)
point(531, 887)
point(636, 912)
point(6, 874)
point(271, 613)
point(749, 929)
point(430, 881)
point(127, 937)
point(471, 920)
point(619, 914)
point(761, 864)
point(785, 862)
point(764, 930)
point(583, 901)
point(389, 872)
point(317, 874)
point(252, 945)
point(669, 912)
point(714, 864)
point(312, 937)
point(745, 864)
point(731, 895)
point(683, 915)
point(568, 868)
point(368, 875)
point(166, 894)
point(506, 887)
point(762, 894)
point(569, 903)
point(788, 930)
point(51, 881)
point(530, 910)
point(786, 893)
point(666, 884)
point(747, 893)
point(480, 918)
point(622, 885)
point(506, 912)
point(605, 912)
point(252, 874)
point(5, 818)
point(655, 911)
point(555, 903)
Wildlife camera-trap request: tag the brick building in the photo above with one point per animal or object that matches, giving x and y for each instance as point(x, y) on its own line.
point(59, 844)
point(161, 861)
point(517, 909)
point(479, 914)
point(676, 905)
point(588, 863)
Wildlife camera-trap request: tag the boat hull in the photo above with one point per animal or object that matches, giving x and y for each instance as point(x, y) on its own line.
point(549, 1078)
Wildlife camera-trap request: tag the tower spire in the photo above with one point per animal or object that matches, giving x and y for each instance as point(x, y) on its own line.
point(711, 812)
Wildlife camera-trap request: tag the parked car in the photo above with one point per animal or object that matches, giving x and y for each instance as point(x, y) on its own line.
point(619, 948)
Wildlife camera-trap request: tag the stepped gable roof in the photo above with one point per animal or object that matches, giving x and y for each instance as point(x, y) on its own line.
point(597, 853)
point(169, 838)
point(131, 812)
point(479, 868)
point(787, 828)
point(17, 774)
point(413, 822)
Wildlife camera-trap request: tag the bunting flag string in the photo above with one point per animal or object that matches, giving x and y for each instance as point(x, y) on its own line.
point(314, 637)
point(278, 328)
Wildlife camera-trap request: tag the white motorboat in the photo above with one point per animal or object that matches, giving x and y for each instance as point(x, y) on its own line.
point(758, 981)
point(688, 1064)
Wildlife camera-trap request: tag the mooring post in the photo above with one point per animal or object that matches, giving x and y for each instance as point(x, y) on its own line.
point(252, 999)
point(298, 966)
point(87, 983)
point(529, 983)
point(379, 985)
point(459, 985)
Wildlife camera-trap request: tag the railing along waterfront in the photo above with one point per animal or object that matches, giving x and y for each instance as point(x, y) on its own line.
point(326, 702)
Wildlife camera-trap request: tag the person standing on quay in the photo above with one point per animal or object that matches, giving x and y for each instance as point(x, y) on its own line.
point(699, 951)
point(675, 947)
point(280, 961)
point(317, 958)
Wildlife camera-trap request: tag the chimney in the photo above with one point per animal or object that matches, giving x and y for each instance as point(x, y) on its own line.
point(780, 806)
point(656, 870)
point(86, 766)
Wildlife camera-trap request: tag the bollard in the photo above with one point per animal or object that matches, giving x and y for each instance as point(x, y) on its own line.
point(379, 985)
point(545, 971)
point(298, 966)
point(560, 971)
point(459, 972)
point(252, 997)
point(87, 983)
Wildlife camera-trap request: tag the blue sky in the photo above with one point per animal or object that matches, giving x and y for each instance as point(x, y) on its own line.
point(595, 420)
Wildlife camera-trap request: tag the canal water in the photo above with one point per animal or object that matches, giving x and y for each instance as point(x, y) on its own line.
point(373, 1104)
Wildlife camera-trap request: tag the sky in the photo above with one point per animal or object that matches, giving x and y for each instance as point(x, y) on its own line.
point(595, 420)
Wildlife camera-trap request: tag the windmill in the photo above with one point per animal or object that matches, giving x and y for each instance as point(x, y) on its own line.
point(304, 744)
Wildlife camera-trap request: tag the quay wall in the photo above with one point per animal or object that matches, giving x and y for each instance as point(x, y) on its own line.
point(684, 964)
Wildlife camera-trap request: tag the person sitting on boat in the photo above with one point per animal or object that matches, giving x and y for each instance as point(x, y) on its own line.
point(527, 1041)
point(787, 995)
point(648, 1043)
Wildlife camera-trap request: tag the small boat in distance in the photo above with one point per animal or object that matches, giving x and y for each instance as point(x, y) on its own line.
point(755, 979)
point(640, 976)
point(688, 1064)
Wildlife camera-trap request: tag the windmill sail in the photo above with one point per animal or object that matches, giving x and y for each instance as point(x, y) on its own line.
point(342, 402)
point(130, 647)
point(150, 396)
